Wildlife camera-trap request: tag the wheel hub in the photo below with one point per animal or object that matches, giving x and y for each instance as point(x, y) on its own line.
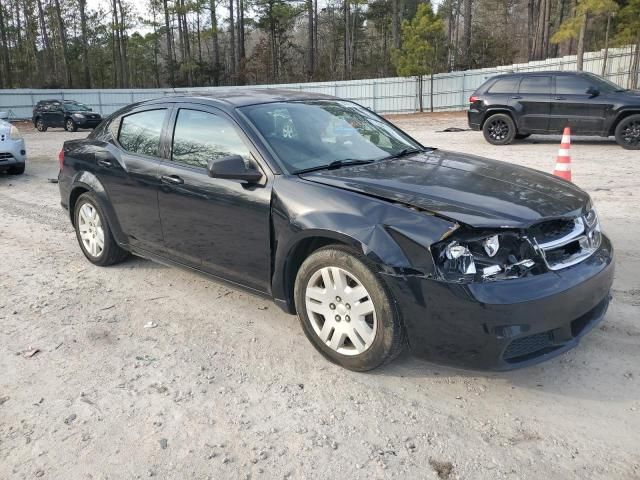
point(341, 311)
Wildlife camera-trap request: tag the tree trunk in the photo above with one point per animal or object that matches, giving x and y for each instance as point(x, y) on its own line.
point(467, 31)
point(545, 29)
point(232, 42)
point(395, 23)
point(5, 54)
point(167, 25)
point(347, 47)
point(216, 44)
point(82, 4)
point(310, 45)
point(606, 45)
point(63, 41)
point(580, 52)
point(46, 44)
point(241, 46)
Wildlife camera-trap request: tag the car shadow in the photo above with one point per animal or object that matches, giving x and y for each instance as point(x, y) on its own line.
point(573, 374)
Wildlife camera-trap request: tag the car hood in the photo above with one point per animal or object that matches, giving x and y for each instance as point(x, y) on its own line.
point(472, 190)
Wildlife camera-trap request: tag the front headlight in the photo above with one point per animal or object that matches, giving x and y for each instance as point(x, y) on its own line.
point(78, 116)
point(14, 133)
point(483, 256)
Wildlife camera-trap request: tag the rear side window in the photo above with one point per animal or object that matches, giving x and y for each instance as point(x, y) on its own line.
point(536, 85)
point(505, 85)
point(140, 132)
point(572, 85)
point(202, 136)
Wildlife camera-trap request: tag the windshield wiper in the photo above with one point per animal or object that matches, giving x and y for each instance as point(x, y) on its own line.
point(333, 165)
point(404, 152)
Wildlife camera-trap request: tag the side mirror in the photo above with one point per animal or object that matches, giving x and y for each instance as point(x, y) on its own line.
point(4, 115)
point(593, 91)
point(233, 167)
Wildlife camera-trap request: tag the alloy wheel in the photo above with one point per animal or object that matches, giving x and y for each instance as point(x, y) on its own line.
point(40, 125)
point(498, 129)
point(70, 126)
point(91, 231)
point(631, 133)
point(341, 311)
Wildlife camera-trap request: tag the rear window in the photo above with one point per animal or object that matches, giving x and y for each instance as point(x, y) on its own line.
point(536, 85)
point(505, 85)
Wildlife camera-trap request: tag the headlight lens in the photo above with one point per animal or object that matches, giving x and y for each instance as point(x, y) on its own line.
point(78, 116)
point(478, 257)
point(14, 133)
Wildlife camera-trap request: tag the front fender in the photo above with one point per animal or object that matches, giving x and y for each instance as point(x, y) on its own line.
point(394, 237)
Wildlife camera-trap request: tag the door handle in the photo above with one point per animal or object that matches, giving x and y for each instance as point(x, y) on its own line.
point(516, 97)
point(171, 179)
point(560, 98)
point(104, 163)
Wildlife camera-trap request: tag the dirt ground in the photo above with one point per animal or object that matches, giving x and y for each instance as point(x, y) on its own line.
point(148, 371)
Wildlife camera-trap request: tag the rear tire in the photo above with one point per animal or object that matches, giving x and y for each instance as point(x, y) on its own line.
point(40, 125)
point(93, 232)
point(346, 311)
point(628, 132)
point(70, 125)
point(499, 129)
point(17, 170)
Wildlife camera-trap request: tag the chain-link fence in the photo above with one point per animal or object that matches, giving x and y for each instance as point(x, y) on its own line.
point(443, 91)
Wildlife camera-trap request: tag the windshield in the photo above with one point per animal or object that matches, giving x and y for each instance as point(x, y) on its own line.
point(310, 134)
point(604, 84)
point(76, 107)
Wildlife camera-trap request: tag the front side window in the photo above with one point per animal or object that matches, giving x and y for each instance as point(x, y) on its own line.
point(140, 132)
point(308, 134)
point(201, 136)
point(536, 85)
point(76, 107)
point(572, 85)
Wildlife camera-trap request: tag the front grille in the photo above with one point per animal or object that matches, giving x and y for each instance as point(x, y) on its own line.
point(5, 156)
point(529, 346)
point(552, 230)
point(563, 243)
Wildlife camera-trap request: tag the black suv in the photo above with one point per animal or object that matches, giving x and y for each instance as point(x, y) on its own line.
point(67, 113)
point(513, 106)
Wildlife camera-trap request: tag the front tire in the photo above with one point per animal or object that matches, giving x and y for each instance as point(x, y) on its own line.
point(499, 129)
point(70, 125)
point(346, 311)
point(93, 232)
point(40, 125)
point(628, 132)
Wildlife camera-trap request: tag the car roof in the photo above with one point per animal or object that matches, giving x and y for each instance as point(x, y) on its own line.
point(540, 72)
point(240, 97)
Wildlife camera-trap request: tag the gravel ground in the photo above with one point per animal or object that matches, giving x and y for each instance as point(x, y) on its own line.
point(148, 371)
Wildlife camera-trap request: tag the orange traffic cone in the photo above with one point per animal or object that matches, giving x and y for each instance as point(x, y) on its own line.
point(563, 162)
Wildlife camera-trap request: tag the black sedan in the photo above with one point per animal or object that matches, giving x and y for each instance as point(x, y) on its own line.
point(374, 240)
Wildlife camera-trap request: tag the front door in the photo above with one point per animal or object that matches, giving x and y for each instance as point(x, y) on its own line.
point(533, 103)
point(578, 104)
point(54, 116)
point(217, 225)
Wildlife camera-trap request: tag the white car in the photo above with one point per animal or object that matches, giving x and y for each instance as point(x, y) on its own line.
point(13, 154)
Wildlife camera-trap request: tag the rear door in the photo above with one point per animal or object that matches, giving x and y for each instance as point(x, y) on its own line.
point(220, 226)
point(128, 170)
point(533, 103)
point(576, 105)
point(55, 115)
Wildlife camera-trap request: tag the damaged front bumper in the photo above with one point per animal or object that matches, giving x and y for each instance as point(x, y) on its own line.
point(503, 325)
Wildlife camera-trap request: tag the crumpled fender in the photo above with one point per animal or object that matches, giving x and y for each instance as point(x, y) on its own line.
point(395, 237)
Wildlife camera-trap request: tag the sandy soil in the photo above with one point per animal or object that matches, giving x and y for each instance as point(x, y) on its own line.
point(224, 385)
